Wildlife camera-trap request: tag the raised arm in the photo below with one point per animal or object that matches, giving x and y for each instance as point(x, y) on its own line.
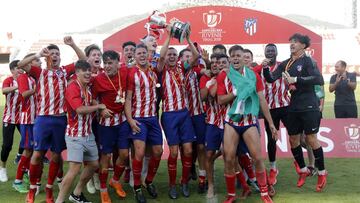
point(195, 53)
point(69, 41)
point(24, 64)
point(271, 77)
point(163, 51)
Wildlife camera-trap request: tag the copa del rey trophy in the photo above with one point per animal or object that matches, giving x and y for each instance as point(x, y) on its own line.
point(157, 22)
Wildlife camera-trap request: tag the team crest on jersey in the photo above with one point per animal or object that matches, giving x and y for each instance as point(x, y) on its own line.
point(59, 73)
point(299, 68)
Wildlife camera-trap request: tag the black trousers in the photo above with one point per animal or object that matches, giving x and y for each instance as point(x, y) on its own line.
point(8, 139)
point(277, 115)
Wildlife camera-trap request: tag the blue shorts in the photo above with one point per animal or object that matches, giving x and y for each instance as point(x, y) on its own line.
point(214, 137)
point(113, 137)
point(178, 127)
point(240, 130)
point(27, 136)
point(199, 124)
point(150, 131)
point(49, 133)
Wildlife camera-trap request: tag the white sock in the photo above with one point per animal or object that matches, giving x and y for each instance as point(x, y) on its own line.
point(273, 165)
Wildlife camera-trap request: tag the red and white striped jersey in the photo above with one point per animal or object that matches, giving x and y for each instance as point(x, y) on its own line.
point(78, 125)
point(276, 93)
point(225, 87)
point(173, 89)
point(28, 110)
point(12, 104)
point(50, 91)
point(213, 111)
point(116, 119)
point(193, 93)
point(143, 85)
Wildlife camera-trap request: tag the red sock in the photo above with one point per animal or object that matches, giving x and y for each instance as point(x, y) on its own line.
point(118, 171)
point(187, 162)
point(246, 164)
point(230, 184)
point(103, 176)
point(21, 168)
point(202, 179)
point(34, 172)
point(261, 179)
point(153, 167)
point(41, 170)
point(240, 176)
point(137, 167)
point(172, 162)
point(53, 170)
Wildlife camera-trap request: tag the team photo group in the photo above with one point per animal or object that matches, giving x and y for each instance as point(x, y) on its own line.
point(113, 113)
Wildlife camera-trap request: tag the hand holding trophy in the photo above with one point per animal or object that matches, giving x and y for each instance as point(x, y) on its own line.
point(157, 22)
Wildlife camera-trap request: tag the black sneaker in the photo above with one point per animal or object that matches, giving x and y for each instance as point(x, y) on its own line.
point(172, 192)
point(45, 160)
point(151, 190)
point(17, 159)
point(185, 189)
point(193, 172)
point(202, 187)
point(139, 196)
point(78, 199)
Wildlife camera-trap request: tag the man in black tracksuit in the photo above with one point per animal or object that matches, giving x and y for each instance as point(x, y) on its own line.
point(304, 115)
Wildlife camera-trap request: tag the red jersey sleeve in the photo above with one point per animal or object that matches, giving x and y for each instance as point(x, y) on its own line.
point(220, 79)
point(70, 69)
point(35, 72)
point(257, 69)
point(23, 84)
point(131, 80)
point(73, 96)
point(7, 82)
point(203, 80)
point(197, 69)
point(259, 83)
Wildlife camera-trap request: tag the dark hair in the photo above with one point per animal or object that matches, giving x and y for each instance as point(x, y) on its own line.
point(343, 63)
point(131, 43)
point(219, 56)
point(219, 46)
point(235, 48)
point(248, 51)
point(53, 46)
point(110, 54)
point(13, 64)
point(270, 45)
point(183, 51)
point(214, 56)
point(82, 65)
point(303, 39)
point(91, 47)
point(141, 45)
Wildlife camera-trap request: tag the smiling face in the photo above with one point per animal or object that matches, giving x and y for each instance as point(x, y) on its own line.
point(214, 66)
point(187, 56)
point(83, 75)
point(141, 56)
point(171, 57)
point(271, 53)
point(223, 63)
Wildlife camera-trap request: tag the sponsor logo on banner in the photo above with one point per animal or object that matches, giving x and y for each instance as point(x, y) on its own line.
point(250, 26)
point(353, 133)
point(212, 19)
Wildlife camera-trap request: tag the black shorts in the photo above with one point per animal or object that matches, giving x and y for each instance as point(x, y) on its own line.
point(345, 111)
point(307, 122)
